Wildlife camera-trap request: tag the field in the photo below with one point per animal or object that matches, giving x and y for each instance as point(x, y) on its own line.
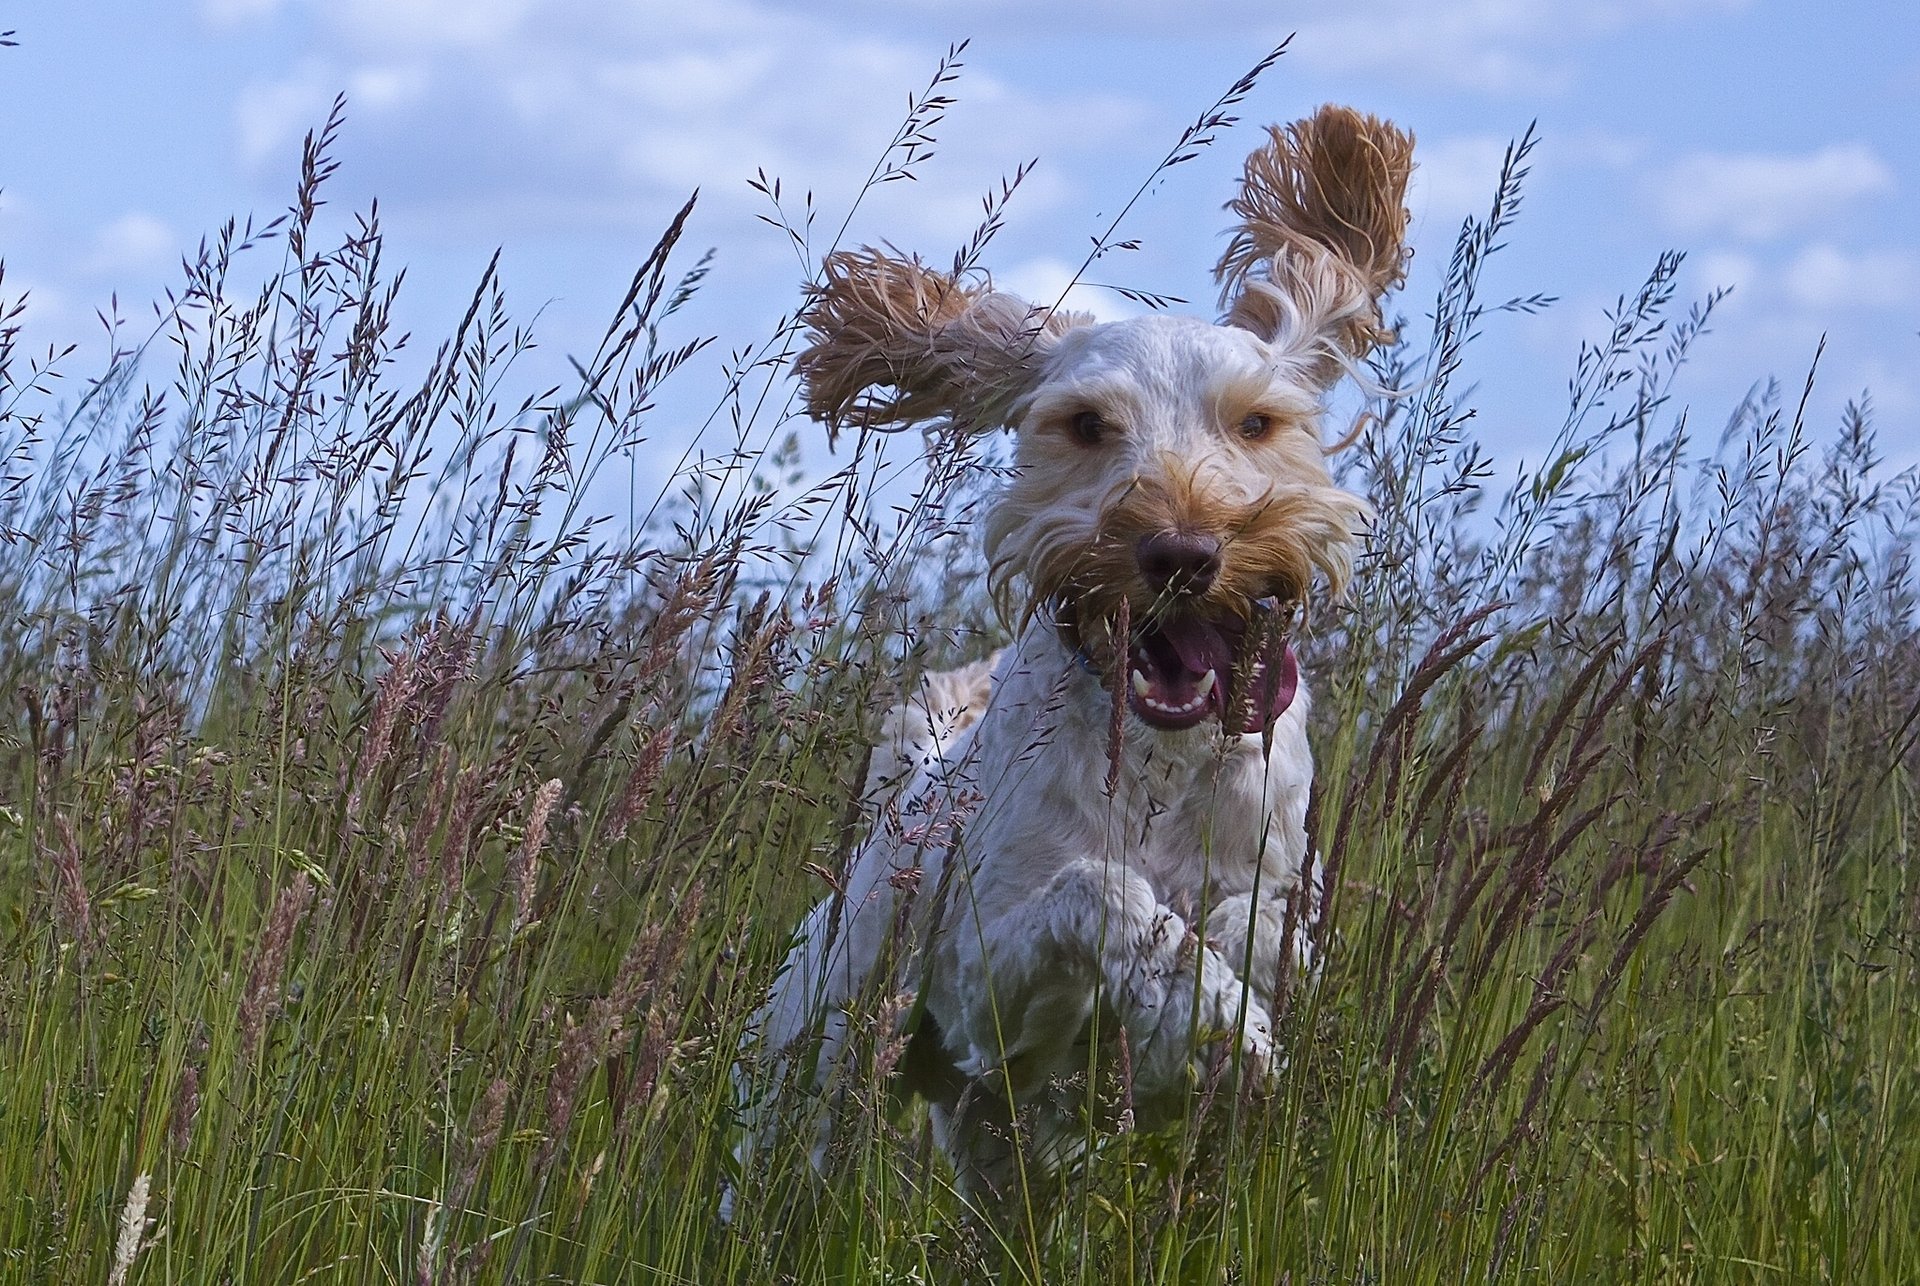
point(392, 848)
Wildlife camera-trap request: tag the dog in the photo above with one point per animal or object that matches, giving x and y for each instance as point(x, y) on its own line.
point(1093, 852)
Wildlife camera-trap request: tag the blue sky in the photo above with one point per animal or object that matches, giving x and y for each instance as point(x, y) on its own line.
point(1773, 141)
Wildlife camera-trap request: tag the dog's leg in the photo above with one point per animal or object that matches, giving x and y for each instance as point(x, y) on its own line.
point(782, 1035)
point(1254, 936)
point(1100, 926)
point(1009, 1149)
point(798, 1039)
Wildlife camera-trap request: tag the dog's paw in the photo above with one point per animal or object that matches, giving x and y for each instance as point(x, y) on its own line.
point(1260, 1063)
point(1238, 1023)
point(1196, 1020)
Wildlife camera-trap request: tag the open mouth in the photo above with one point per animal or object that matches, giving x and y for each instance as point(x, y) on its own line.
point(1184, 668)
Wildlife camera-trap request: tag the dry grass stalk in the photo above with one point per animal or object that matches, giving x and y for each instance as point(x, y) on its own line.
point(154, 732)
point(523, 871)
point(420, 832)
point(891, 1036)
point(638, 787)
point(1450, 648)
point(482, 1135)
point(641, 992)
point(186, 1109)
point(73, 909)
point(463, 816)
point(645, 972)
point(1117, 720)
point(759, 659)
point(133, 1228)
point(690, 598)
point(262, 995)
point(413, 695)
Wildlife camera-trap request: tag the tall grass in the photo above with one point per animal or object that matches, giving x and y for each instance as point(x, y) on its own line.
point(392, 847)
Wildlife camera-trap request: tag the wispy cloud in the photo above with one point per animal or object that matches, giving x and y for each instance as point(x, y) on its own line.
point(1760, 196)
point(551, 115)
point(1499, 46)
point(224, 12)
point(134, 242)
point(1048, 281)
point(1823, 276)
point(1728, 270)
point(401, 24)
point(270, 115)
point(1455, 177)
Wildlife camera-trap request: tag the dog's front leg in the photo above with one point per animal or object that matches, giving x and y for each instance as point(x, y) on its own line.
point(1261, 939)
point(843, 958)
point(1099, 927)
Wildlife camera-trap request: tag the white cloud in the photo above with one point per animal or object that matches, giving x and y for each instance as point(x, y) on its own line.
point(386, 24)
point(1458, 42)
point(1454, 177)
point(690, 81)
point(134, 242)
point(1727, 269)
point(1758, 196)
point(540, 115)
point(272, 116)
point(225, 12)
point(1503, 46)
point(387, 88)
point(54, 317)
point(15, 210)
point(1825, 277)
point(1049, 280)
point(1895, 394)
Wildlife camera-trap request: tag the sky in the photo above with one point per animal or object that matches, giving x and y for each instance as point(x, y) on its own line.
point(1770, 140)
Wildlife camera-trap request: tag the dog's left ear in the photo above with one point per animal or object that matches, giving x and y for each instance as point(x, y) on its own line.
point(1322, 226)
point(894, 342)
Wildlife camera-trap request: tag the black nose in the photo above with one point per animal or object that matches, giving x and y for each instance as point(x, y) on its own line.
point(1178, 562)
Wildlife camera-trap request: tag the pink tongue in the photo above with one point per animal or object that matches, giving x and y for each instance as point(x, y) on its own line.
point(1200, 645)
point(1274, 688)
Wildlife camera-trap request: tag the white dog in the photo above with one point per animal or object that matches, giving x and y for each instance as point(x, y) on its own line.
point(1092, 861)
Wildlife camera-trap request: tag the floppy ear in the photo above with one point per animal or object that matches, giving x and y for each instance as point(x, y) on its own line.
point(1322, 222)
point(891, 341)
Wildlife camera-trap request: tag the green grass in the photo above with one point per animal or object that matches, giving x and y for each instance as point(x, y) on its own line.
point(1617, 798)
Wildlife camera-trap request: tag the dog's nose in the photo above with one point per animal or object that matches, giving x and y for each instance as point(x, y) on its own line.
point(1178, 562)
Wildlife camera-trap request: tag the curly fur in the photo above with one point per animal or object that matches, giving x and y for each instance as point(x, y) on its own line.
point(946, 349)
point(1320, 239)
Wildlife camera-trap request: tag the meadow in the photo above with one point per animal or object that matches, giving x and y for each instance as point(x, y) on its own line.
point(393, 847)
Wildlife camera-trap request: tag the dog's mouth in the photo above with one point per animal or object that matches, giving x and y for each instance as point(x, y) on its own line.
point(1184, 667)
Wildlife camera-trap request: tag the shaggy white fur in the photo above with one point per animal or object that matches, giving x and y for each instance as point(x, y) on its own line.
point(1097, 857)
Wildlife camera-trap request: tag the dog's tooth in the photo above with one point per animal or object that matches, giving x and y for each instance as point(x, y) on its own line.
point(1140, 686)
point(1206, 684)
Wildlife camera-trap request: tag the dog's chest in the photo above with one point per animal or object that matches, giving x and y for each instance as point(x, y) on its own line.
point(1189, 812)
point(1190, 826)
point(1186, 812)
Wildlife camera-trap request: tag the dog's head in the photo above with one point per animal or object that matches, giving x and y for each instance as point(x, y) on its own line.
point(1170, 473)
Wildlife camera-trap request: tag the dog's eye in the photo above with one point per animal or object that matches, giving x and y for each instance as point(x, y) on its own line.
point(1087, 428)
point(1256, 426)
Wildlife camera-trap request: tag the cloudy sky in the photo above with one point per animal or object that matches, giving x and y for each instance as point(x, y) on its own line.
point(1771, 139)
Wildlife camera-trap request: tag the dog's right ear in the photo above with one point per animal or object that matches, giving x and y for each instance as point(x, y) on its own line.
point(894, 342)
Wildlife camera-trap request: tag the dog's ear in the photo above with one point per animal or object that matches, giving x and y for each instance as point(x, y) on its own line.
point(1320, 238)
point(892, 342)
